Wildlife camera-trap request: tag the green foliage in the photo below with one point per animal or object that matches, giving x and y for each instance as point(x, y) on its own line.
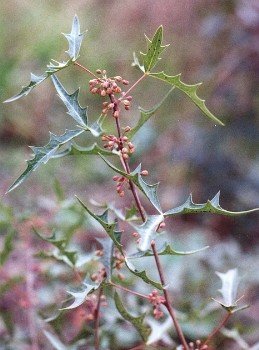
point(189, 90)
point(154, 50)
point(212, 206)
point(137, 322)
point(7, 247)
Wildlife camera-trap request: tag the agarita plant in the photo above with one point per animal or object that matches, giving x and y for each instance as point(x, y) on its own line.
point(145, 230)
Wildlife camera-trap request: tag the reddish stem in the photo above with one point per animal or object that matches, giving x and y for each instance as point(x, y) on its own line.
point(128, 290)
point(97, 321)
point(167, 298)
point(218, 328)
point(133, 86)
point(85, 69)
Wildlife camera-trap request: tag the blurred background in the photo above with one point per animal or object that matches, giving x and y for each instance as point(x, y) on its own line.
point(215, 42)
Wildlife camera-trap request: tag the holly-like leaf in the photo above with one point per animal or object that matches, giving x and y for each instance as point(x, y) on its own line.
point(7, 247)
point(110, 228)
point(62, 253)
point(75, 39)
point(107, 258)
point(137, 322)
point(78, 113)
point(142, 274)
point(212, 206)
point(165, 250)
point(146, 114)
point(189, 90)
point(148, 231)
point(149, 190)
point(154, 50)
point(76, 150)
point(229, 289)
point(80, 295)
point(43, 154)
point(52, 67)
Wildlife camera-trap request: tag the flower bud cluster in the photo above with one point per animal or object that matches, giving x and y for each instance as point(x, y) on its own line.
point(119, 260)
point(156, 300)
point(99, 275)
point(121, 182)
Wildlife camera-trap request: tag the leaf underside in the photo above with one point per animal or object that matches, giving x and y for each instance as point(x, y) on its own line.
point(80, 295)
point(189, 90)
point(74, 39)
point(137, 322)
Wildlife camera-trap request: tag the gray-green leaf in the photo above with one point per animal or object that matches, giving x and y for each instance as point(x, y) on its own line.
point(149, 190)
point(45, 153)
point(189, 90)
point(7, 247)
point(154, 49)
point(137, 322)
point(229, 289)
point(212, 206)
point(110, 228)
point(80, 295)
point(78, 113)
point(75, 39)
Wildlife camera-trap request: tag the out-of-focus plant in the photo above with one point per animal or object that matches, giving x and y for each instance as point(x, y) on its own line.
point(132, 235)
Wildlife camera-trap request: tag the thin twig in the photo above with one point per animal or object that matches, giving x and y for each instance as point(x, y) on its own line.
point(133, 86)
point(97, 321)
point(129, 291)
point(85, 69)
point(167, 299)
point(218, 328)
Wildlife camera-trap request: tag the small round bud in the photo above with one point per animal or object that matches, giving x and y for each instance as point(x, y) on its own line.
point(127, 108)
point(125, 156)
point(121, 194)
point(129, 98)
point(124, 138)
point(144, 173)
point(94, 90)
point(103, 93)
point(104, 72)
point(124, 150)
point(109, 91)
point(98, 71)
point(125, 82)
point(118, 78)
point(135, 234)
point(115, 178)
point(117, 90)
point(110, 105)
point(128, 128)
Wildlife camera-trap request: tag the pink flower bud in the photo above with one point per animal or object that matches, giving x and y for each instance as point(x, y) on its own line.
point(103, 93)
point(116, 114)
point(118, 78)
point(115, 178)
point(125, 156)
point(128, 128)
point(125, 82)
point(98, 71)
point(144, 173)
point(124, 150)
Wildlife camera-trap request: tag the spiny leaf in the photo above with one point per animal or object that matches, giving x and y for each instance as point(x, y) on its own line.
point(230, 282)
point(146, 114)
point(154, 49)
point(148, 231)
point(81, 295)
point(38, 79)
point(109, 228)
point(137, 322)
point(142, 274)
point(165, 250)
point(45, 153)
point(149, 190)
point(76, 150)
point(107, 257)
point(212, 206)
point(62, 253)
point(78, 113)
point(7, 247)
point(131, 213)
point(75, 39)
point(189, 90)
